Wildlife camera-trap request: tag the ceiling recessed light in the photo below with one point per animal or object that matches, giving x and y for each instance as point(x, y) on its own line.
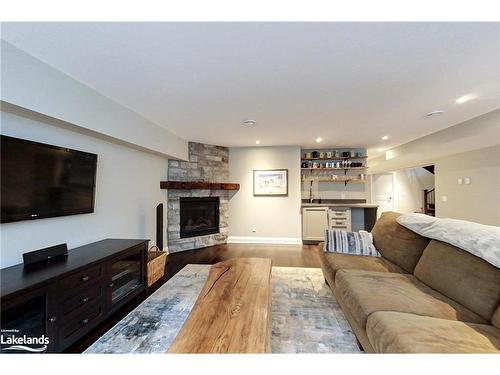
point(465, 98)
point(380, 149)
point(385, 137)
point(390, 155)
point(257, 142)
point(319, 139)
point(249, 122)
point(435, 113)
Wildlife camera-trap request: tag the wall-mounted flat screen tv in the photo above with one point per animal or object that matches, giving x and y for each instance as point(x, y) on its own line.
point(40, 181)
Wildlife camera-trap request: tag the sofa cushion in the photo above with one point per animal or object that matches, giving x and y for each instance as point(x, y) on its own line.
point(395, 332)
point(364, 292)
point(461, 276)
point(495, 320)
point(332, 262)
point(396, 243)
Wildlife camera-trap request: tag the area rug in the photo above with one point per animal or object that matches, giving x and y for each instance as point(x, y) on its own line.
point(306, 318)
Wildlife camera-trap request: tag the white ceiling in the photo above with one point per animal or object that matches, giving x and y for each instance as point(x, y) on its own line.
point(349, 83)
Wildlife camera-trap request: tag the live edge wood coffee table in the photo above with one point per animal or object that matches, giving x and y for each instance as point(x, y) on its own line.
point(233, 311)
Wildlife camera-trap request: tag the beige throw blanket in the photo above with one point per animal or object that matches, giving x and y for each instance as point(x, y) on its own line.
point(480, 240)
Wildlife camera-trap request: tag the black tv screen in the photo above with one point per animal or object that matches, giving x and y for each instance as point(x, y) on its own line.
point(40, 181)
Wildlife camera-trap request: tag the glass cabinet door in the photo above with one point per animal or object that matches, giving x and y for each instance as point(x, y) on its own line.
point(126, 276)
point(29, 319)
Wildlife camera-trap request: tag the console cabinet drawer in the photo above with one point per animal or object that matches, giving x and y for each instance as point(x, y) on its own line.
point(76, 327)
point(81, 279)
point(341, 220)
point(74, 304)
point(339, 224)
point(339, 213)
point(341, 227)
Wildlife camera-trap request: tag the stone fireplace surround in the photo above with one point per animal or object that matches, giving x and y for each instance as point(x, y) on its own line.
point(207, 163)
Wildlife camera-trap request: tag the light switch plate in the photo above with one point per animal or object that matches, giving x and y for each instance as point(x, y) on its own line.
point(460, 181)
point(444, 198)
point(467, 180)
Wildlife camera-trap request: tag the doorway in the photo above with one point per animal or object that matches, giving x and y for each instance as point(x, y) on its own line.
point(383, 192)
point(405, 191)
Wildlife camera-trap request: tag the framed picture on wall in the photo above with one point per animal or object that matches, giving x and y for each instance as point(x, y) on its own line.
point(270, 182)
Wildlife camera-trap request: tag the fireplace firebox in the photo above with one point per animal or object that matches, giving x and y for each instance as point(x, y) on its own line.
point(199, 216)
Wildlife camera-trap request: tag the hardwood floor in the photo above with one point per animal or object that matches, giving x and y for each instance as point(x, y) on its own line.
point(281, 256)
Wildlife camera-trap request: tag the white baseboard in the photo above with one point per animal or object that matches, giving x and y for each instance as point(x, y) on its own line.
point(266, 240)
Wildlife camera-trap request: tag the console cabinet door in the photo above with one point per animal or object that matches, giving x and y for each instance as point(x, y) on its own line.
point(126, 275)
point(314, 223)
point(31, 314)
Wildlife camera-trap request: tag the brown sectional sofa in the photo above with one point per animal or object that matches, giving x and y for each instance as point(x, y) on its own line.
point(421, 296)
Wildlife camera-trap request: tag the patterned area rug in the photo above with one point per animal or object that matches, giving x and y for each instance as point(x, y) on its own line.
point(306, 318)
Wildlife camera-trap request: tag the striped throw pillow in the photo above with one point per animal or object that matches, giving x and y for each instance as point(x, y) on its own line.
point(358, 243)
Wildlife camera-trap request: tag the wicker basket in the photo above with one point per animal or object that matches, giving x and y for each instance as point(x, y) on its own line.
point(156, 264)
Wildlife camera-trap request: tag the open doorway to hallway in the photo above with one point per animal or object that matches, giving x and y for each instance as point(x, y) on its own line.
point(406, 190)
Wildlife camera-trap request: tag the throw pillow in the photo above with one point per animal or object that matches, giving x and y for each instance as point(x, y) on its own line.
point(358, 243)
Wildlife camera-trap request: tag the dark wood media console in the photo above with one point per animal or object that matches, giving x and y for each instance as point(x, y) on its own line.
point(65, 298)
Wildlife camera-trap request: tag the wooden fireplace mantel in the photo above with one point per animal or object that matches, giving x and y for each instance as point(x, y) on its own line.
point(179, 185)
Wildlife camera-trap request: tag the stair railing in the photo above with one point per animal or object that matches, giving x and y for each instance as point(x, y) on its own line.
point(429, 202)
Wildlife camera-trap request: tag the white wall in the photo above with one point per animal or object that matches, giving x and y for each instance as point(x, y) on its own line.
point(480, 132)
point(480, 200)
point(408, 189)
point(31, 84)
point(127, 193)
point(470, 149)
point(277, 219)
